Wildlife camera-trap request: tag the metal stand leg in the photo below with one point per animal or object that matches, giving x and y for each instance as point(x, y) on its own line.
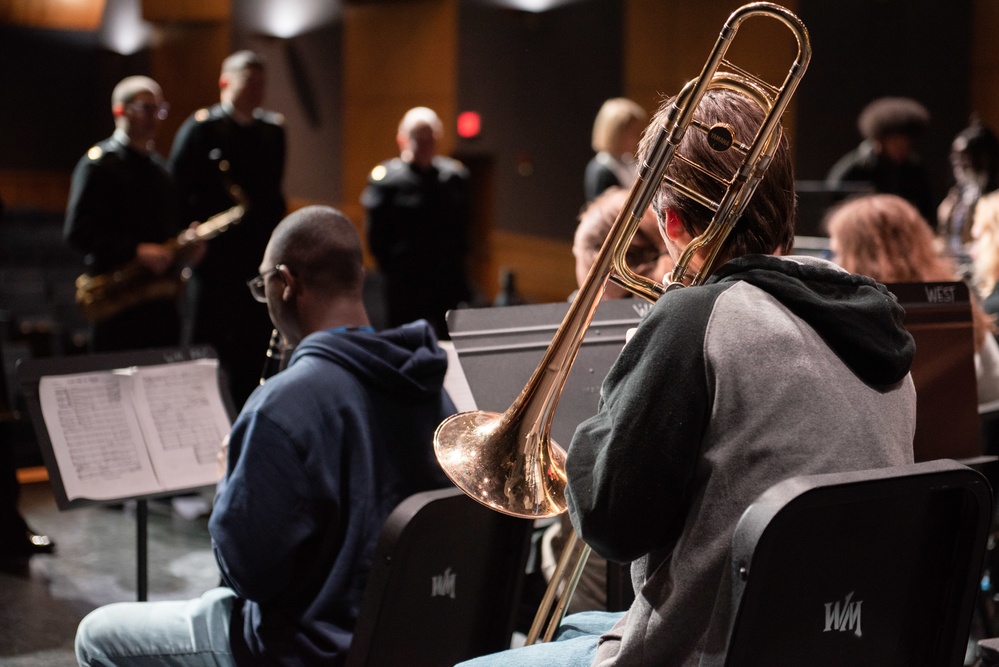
point(142, 547)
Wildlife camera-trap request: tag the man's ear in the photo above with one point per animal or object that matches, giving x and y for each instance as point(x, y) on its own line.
point(673, 226)
point(291, 286)
point(118, 110)
point(223, 82)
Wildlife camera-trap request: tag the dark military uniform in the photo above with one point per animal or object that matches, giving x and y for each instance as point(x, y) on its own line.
point(212, 152)
point(118, 199)
point(418, 223)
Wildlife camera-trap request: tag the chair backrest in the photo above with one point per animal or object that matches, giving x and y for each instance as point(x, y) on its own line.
point(444, 585)
point(875, 567)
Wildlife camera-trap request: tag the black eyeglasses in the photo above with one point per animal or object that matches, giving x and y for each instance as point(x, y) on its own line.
point(258, 285)
point(159, 110)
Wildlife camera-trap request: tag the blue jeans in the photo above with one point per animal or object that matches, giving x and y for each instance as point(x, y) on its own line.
point(181, 633)
point(575, 644)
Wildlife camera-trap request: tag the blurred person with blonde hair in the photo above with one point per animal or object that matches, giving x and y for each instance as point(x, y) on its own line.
point(985, 251)
point(974, 159)
point(885, 238)
point(617, 130)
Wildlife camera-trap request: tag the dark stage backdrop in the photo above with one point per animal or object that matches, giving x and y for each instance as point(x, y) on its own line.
point(864, 49)
point(56, 95)
point(538, 81)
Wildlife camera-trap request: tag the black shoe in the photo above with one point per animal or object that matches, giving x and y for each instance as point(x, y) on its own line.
point(30, 544)
point(40, 544)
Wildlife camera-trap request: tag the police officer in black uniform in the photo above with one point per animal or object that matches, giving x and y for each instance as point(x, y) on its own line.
point(234, 143)
point(418, 219)
point(122, 207)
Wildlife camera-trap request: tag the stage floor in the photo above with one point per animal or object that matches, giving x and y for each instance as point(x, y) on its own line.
point(95, 564)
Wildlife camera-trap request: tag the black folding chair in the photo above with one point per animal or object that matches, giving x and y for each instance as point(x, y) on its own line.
point(878, 567)
point(444, 586)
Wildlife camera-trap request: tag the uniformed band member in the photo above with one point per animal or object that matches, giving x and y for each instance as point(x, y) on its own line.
point(122, 206)
point(418, 219)
point(236, 143)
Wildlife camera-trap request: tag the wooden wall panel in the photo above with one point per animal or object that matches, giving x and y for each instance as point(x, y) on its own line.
point(185, 61)
point(667, 43)
point(53, 14)
point(186, 10)
point(39, 190)
point(545, 268)
point(985, 63)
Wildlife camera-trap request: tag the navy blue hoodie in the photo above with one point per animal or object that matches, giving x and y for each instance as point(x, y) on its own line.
point(318, 458)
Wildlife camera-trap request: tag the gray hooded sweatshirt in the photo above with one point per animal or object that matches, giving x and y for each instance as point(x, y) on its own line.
point(776, 367)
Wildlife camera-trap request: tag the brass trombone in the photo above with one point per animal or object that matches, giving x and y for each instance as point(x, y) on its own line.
point(508, 461)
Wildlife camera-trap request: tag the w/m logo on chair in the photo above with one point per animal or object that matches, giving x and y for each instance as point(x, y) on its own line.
point(443, 585)
point(843, 618)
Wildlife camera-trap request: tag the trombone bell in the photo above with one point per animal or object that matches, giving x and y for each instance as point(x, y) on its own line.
point(504, 462)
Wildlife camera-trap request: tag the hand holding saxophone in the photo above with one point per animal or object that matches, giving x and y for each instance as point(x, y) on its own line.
point(156, 257)
point(152, 274)
point(159, 258)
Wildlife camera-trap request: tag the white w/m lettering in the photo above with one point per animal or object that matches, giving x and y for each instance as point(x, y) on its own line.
point(641, 308)
point(442, 585)
point(940, 294)
point(843, 618)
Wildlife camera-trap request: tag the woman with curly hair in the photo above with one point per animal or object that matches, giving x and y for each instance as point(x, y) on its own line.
point(885, 237)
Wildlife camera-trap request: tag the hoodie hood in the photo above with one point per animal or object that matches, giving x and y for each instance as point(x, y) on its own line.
point(856, 316)
point(405, 361)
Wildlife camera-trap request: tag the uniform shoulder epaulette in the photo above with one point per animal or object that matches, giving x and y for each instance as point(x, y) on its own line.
point(386, 169)
point(103, 149)
point(445, 163)
point(272, 117)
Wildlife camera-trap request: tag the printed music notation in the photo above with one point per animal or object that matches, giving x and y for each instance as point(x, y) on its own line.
point(137, 431)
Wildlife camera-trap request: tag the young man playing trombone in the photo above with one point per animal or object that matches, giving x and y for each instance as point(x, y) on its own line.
point(725, 389)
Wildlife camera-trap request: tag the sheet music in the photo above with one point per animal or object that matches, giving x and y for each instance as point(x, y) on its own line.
point(182, 416)
point(95, 436)
point(137, 431)
point(455, 381)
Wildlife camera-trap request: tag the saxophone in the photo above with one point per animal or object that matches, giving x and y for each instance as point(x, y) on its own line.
point(102, 296)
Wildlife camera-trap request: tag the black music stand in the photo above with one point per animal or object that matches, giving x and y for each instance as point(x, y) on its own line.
point(29, 375)
point(499, 349)
point(816, 198)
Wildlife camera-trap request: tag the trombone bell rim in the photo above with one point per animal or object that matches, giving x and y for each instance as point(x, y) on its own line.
point(497, 460)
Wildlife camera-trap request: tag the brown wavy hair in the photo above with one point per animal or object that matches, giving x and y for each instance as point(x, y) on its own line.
point(767, 224)
point(884, 237)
